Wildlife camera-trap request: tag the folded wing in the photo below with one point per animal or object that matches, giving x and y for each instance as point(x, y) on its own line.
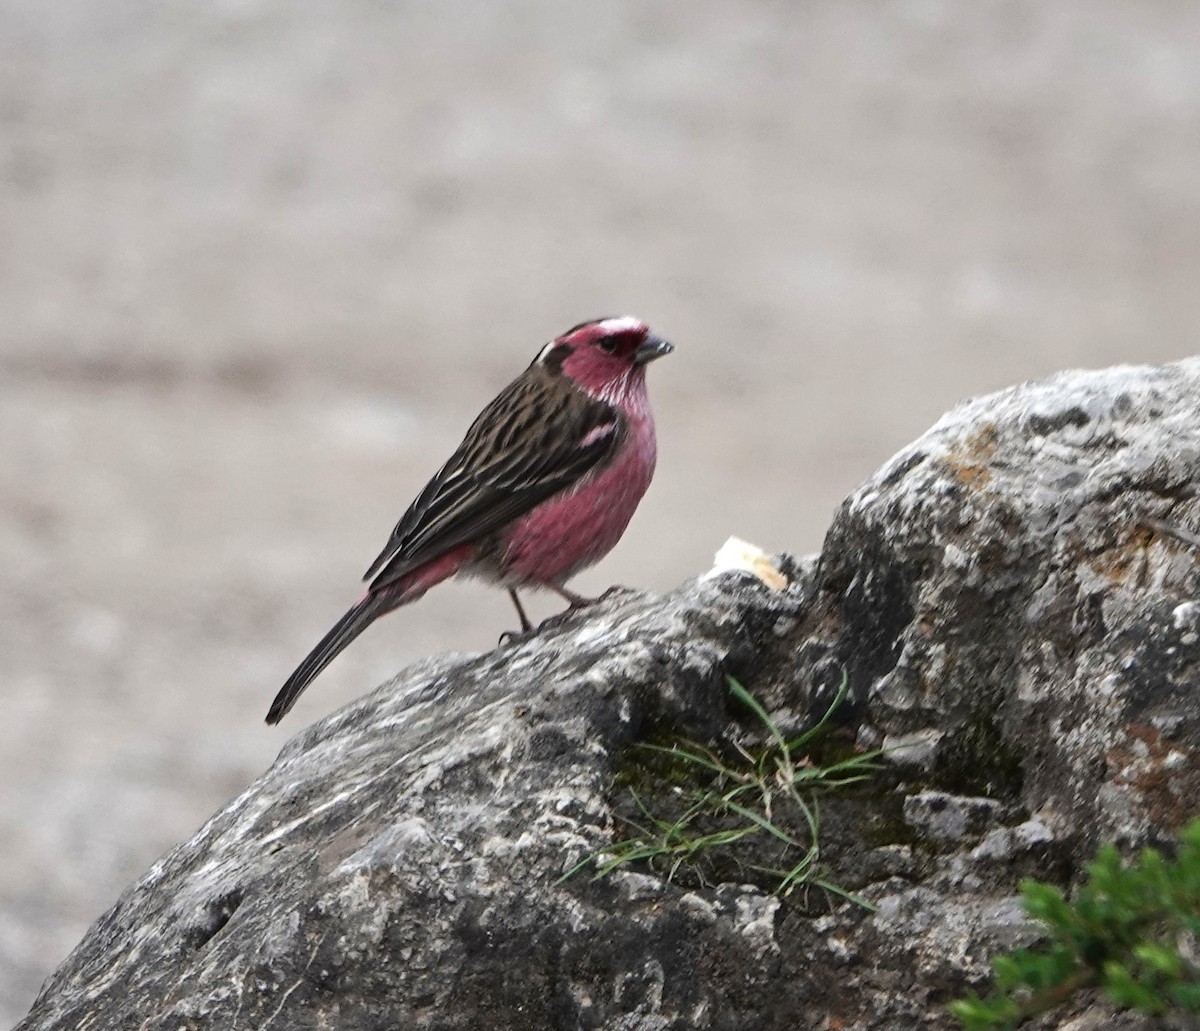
point(539, 437)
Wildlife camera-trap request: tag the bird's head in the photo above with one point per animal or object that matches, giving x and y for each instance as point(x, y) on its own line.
point(605, 356)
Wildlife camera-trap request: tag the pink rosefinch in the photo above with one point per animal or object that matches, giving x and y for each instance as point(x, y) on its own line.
point(542, 486)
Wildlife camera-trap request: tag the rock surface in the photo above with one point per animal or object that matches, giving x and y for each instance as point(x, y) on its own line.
point(1009, 623)
point(263, 261)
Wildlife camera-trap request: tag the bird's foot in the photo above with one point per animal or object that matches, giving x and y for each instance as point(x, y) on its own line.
point(517, 636)
point(573, 600)
point(514, 637)
point(575, 603)
point(558, 619)
point(578, 601)
point(613, 591)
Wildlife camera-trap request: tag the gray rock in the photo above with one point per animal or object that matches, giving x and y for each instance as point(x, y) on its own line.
point(398, 866)
point(997, 594)
point(995, 600)
point(946, 817)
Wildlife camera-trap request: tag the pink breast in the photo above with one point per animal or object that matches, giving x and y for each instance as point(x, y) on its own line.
point(569, 533)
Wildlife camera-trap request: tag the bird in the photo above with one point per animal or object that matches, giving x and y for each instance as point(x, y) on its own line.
point(542, 486)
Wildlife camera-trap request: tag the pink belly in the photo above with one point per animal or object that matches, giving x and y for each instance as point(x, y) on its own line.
point(563, 536)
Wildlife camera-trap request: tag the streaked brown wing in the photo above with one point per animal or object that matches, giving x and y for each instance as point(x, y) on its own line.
point(538, 437)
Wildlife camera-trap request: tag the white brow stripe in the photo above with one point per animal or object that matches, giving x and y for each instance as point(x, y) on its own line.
point(621, 325)
point(545, 352)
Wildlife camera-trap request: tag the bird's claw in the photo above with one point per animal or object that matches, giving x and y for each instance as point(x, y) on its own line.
point(557, 620)
point(613, 591)
point(514, 637)
point(575, 603)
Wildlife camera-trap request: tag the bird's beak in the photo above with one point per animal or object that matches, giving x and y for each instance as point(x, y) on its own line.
point(650, 348)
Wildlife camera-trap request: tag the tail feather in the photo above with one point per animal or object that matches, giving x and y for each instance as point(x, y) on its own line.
point(353, 623)
point(378, 601)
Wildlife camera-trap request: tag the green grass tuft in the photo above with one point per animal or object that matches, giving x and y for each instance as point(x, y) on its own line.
point(721, 803)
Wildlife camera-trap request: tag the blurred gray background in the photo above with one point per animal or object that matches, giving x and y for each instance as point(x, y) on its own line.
point(262, 261)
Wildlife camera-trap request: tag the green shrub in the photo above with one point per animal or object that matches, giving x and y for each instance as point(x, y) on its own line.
point(1132, 930)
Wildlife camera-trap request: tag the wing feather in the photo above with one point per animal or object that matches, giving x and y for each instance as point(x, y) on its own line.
point(540, 436)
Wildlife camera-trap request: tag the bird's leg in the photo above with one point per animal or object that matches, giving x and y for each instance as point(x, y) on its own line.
point(526, 626)
point(516, 636)
point(576, 601)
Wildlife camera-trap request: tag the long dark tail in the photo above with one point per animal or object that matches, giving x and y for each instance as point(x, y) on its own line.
point(344, 631)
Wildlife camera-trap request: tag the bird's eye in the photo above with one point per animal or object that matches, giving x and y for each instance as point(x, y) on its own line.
point(609, 343)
